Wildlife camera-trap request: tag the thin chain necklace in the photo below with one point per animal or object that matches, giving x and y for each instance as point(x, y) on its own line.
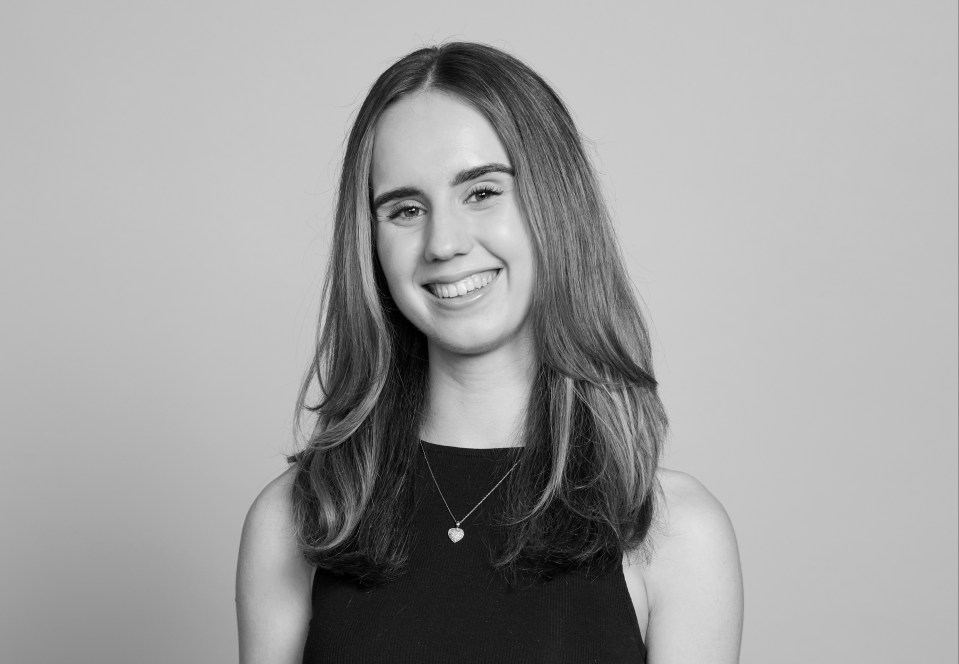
point(456, 533)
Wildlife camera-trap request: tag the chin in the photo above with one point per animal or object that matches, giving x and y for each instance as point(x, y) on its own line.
point(476, 343)
point(460, 346)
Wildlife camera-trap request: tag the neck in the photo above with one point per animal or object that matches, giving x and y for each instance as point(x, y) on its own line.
point(478, 401)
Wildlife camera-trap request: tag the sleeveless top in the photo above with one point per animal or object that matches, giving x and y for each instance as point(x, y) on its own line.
point(451, 606)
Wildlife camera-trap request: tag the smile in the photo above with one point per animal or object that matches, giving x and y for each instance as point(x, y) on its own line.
point(473, 282)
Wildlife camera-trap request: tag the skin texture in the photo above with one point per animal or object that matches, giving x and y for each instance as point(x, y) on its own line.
point(688, 598)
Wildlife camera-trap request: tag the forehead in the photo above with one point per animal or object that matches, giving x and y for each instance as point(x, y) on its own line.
point(431, 135)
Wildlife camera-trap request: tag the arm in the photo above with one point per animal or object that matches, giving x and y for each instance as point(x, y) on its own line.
point(694, 580)
point(273, 581)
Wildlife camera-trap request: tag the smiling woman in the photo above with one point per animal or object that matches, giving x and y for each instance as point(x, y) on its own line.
point(482, 482)
point(450, 235)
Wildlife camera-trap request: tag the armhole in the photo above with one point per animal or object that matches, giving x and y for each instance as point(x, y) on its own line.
point(626, 604)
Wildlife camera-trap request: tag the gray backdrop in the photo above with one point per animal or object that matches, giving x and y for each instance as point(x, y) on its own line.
point(784, 182)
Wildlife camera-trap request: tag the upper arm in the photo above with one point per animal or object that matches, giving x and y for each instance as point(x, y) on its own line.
point(273, 599)
point(694, 579)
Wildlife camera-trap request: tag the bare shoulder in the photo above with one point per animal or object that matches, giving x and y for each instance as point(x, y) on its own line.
point(693, 576)
point(688, 509)
point(273, 579)
point(271, 510)
point(692, 532)
point(269, 534)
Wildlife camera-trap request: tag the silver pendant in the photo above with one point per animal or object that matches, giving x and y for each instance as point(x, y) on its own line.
point(456, 534)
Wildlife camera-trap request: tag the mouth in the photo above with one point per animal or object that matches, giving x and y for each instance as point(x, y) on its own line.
point(470, 284)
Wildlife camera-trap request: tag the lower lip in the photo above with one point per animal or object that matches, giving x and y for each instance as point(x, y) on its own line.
point(463, 300)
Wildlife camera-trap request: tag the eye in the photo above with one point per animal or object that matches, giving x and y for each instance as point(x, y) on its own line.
point(482, 193)
point(405, 211)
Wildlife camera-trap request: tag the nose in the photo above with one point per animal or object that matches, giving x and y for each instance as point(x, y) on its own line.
point(447, 235)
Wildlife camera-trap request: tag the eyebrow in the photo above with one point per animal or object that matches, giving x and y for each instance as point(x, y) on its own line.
point(478, 172)
point(458, 179)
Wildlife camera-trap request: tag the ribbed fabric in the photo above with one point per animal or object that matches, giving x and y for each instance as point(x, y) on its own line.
point(450, 606)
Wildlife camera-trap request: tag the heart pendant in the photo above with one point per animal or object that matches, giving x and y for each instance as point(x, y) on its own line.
point(456, 534)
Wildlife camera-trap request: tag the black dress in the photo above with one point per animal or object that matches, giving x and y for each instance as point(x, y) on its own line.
point(450, 606)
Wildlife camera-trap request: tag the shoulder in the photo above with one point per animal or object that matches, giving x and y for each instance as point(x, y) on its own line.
point(269, 537)
point(271, 511)
point(268, 540)
point(692, 530)
point(687, 510)
point(692, 577)
point(273, 580)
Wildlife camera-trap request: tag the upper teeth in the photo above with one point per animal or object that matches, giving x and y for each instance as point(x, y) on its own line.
point(463, 286)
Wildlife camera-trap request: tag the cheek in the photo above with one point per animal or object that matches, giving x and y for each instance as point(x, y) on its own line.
point(382, 256)
point(394, 258)
point(512, 235)
point(386, 251)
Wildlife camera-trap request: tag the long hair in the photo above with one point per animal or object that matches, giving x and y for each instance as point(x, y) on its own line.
point(584, 490)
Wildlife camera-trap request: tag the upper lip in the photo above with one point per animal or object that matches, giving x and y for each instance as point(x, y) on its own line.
point(453, 278)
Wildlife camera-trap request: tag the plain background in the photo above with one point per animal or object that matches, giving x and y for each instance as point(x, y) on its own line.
point(784, 182)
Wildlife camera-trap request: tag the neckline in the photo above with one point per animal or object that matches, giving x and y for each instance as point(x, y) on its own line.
point(435, 448)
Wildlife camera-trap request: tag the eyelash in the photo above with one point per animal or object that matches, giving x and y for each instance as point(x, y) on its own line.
point(484, 189)
point(490, 190)
point(396, 212)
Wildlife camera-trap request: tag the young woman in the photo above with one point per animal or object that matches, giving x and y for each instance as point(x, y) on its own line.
point(482, 483)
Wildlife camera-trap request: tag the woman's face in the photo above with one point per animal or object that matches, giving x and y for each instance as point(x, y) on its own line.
point(450, 235)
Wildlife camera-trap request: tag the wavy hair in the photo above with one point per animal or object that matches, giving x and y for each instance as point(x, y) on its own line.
point(583, 493)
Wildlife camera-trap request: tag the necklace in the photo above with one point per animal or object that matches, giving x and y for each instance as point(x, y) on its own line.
point(456, 533)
